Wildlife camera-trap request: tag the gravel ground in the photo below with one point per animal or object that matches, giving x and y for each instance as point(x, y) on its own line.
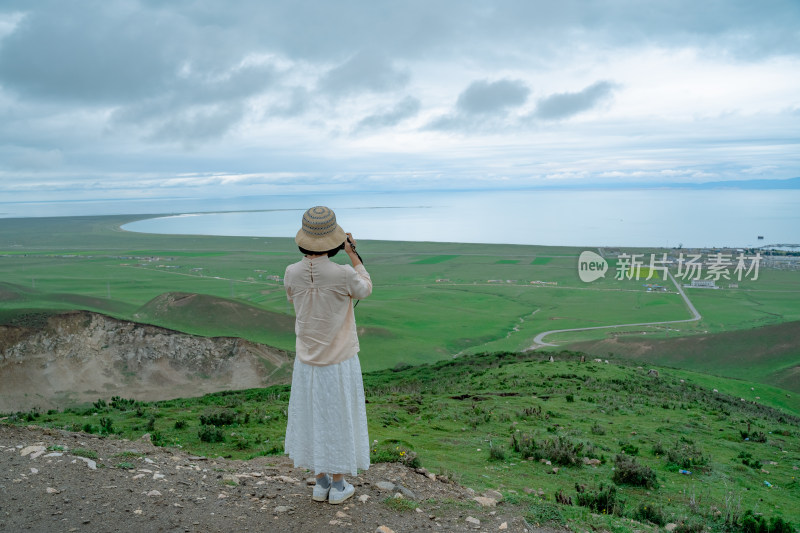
point(48, 484)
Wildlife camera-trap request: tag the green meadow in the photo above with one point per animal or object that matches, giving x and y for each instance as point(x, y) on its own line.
point(431, 301)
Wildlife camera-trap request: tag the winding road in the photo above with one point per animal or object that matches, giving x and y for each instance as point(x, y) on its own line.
point(538, 341)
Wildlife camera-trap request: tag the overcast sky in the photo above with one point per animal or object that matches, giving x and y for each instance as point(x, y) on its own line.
point(140, 98)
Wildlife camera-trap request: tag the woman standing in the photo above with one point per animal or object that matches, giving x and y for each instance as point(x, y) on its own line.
point(327, 427)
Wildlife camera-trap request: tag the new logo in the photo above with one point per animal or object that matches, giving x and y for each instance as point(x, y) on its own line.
point(591, 266)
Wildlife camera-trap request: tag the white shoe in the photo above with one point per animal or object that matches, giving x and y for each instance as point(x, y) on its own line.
point(320, 494)
point(338, 496)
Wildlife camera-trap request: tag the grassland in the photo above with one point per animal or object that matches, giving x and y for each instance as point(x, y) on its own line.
point(495, 420)
point(431, 300)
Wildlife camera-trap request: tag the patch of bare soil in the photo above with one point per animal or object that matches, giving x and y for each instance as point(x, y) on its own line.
point(80, 357)
point(73, 482)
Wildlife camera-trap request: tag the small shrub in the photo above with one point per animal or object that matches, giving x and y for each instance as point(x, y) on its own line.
point(747, 460)
point(753, 523)
point(541, 513)
point(628, 448)
point(88, 428)
point(658, 449)
point(649, 513)
point(106, 426)
point(180, 424)
point(685, 454)
point(393, 451)
point(211, 434)
point(570, 398)
point(219, 417)
point(151, 423)
point(158, 439)
point(629, 472)
point(125, 465)
point(559, 450)
point(122, 404)
point(602, 501)
point(497, 453)
point(241, 442)
point(689, 526)
point(597, 429)
point(562, 498)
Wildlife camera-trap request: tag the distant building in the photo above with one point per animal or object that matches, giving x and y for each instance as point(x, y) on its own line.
point(703, 284)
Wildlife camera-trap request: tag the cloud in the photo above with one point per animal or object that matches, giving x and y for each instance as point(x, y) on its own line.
point(492, 97)
point(296, 102)
point(483, 104)
point(406, 108)
point(365, 71)
point(564, 105)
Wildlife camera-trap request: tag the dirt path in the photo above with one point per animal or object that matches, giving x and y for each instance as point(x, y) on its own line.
point(48, 484)
point(538, 341)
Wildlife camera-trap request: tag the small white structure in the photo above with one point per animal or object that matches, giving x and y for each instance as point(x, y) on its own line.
point(703, 284)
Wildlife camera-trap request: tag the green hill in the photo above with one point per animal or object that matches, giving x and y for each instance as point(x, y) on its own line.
point(769, 354)
point(610, 442)
point(207, 315)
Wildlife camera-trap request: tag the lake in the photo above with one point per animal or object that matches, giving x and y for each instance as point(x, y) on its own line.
point(632, 218)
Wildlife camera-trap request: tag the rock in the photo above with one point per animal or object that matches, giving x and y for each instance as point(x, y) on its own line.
point(503, 526)
point(31, 449)
point(158, 476)
point(137, 511)
point(230, 479)
point(154, 493)
point(592, 462)
point(474, 522)
point(145, 437)
point(92, 464)
point(555, 470)
point(406, 492)
point(485, 502)
point(385, 485)
point(493, 494)
point(384, 529)
point(51, 490)
point(311, 481)
point(340, 514)
point(363, 498)
point(282, 509)
point(671, 526)
point(398, 496)
point(138, 476)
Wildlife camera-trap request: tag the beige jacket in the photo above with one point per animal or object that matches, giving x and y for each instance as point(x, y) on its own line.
point(322, 293)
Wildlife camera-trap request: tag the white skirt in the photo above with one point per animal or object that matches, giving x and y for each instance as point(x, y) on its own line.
point(327, 427)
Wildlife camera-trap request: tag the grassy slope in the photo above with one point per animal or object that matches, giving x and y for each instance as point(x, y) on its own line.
point(769, 354)
point(451, 413)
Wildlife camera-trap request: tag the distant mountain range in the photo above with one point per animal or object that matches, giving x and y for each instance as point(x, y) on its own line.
point(763, 184)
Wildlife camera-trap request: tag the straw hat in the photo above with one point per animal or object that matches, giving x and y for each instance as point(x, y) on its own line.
point(320, 232)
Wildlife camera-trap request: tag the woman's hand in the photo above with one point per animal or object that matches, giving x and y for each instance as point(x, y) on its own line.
point(350, 249)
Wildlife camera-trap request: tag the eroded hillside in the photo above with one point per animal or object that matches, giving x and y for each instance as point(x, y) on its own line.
point(81, 356)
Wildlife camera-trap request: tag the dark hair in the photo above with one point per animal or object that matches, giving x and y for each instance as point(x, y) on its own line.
point(330, 252)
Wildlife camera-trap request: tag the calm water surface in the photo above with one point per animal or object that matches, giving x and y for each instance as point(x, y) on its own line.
point(569, 218)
